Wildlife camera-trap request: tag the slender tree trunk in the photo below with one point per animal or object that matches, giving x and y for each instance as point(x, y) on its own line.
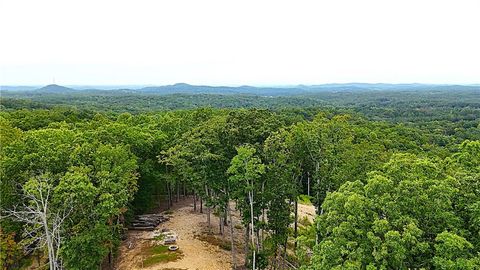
point(170, 203)
point(317, 167)
point(247, 237)
point(201, 205)
point(295, 228)
point(178, 191)
point(257, 232)
point(260, 235)
point(184, 190)
point(220, 224)
point(250, 196)
point(232, 244)
point(308, 183)
point(208, 208)
point(51, 257)
point(194, 201)
point(47, 224)
point(169, 189)
point(208, 218)
point(318, 208)
point(225, 214)
point(317, 240)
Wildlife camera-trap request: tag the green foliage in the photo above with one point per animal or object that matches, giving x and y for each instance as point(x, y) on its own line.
point(245, 171)
point(97, 180)
point(86, 250)
point(454, 252)
point(305, 199)
point(390, 195)
point(393, 220)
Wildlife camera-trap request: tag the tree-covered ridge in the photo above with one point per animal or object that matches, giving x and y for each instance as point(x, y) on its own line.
point(388, 196)
point(379, 101)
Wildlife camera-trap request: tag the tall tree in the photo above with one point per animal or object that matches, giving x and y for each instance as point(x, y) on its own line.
point(245, 171)
point(44, 223)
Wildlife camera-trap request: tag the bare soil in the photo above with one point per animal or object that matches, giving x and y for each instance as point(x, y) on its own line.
point(203, 248)
point(308, 211)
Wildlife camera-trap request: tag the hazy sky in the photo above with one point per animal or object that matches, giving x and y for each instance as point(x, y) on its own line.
point(225, 42)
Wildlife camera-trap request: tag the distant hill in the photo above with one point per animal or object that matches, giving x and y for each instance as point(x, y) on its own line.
point(17, 88)
point(183, 88)
point(55, 88)
point(375, 100)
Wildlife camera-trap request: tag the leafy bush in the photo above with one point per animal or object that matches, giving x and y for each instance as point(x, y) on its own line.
point(305, 199)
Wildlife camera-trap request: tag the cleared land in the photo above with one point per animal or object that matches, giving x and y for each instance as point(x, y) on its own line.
point(198, 249)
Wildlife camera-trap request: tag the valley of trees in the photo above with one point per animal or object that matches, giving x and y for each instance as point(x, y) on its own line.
point(395, 181)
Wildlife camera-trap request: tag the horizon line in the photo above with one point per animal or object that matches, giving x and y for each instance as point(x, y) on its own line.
point(238, 85)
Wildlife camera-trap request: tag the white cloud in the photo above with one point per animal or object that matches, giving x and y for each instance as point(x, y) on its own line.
point(239, 42)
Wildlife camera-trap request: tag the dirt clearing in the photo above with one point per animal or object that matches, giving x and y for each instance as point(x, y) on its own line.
point(196, 254)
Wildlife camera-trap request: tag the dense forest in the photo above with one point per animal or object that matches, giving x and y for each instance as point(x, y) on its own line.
point(394, 175)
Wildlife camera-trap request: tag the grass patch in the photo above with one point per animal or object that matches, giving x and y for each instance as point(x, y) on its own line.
point(210, 238)
point(159, 254)
point(158, 249)
point(159, 237)
point(305, 199)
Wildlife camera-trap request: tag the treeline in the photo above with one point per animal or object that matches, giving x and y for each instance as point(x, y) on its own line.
point(137, 103)
point(388, 196)
point(423, 104)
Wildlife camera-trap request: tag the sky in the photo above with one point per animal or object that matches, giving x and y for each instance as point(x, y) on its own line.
point(245, 42)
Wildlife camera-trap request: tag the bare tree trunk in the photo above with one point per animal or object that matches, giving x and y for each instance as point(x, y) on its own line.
point(194, 201)
point(220, 224)
point(317, 166)
point(308, 183)
point(259, 247)
point(247, 237)
point(232, 244)
point(45, 224)
point(318, 228)
point(260, 235)
point(201, 204)
point(170, 203)
point(250, 196)
point(208, 208)
point(110, 259)
point(295, 227)
point(208, 218)
point(178, 191)
point(225, 214)
point(51, 256)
